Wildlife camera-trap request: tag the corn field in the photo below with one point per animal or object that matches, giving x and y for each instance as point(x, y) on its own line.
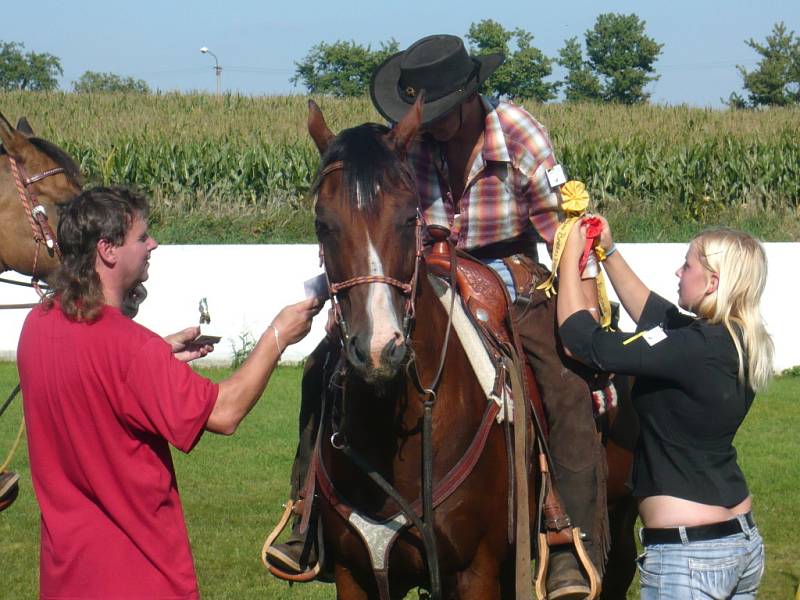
point(241, 156)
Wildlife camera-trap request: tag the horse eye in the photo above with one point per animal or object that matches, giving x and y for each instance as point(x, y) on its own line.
point(321, 227)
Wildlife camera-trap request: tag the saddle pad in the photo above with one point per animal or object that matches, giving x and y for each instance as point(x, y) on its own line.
point(479, 358)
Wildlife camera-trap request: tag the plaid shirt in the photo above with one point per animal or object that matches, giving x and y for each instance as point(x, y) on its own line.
point(507, 189)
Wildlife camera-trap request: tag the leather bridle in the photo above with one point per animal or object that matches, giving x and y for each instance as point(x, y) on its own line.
point(407, 289)
point(36, 213)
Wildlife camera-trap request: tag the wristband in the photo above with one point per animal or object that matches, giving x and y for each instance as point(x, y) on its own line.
point(277, 339)
point(603, 254)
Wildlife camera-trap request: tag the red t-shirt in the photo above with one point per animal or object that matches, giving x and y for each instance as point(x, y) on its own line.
point(102, 402)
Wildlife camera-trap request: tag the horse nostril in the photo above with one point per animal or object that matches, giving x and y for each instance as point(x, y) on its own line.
point(357, 354)
point(395, 350)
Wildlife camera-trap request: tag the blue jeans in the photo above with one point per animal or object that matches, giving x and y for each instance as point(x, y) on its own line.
point(727, 567)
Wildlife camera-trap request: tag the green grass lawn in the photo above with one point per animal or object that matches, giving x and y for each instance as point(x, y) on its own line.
point(232, 490)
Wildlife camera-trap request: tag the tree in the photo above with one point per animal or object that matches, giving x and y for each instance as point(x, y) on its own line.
point(581, 84)
point(776, 80)
point(522, 73)
point(27, 71)
point(620, 56)
point(341, 68)
point(92, 82)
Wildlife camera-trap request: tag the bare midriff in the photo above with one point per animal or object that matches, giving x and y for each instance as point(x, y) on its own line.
point(669, 511)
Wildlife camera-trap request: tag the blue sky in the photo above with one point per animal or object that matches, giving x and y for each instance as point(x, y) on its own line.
point(257, 43)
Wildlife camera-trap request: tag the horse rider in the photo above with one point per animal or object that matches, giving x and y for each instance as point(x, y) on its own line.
point(486, 169)
point(103, 399)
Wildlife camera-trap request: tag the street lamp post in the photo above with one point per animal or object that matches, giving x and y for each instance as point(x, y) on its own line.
point(217, 68)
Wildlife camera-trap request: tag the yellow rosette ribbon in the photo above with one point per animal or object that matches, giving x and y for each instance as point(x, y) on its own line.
point(574, 202)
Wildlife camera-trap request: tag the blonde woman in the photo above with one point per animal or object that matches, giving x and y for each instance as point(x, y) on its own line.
point(696, 377)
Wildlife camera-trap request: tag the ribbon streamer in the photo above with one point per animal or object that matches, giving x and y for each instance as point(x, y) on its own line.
point(574, 201)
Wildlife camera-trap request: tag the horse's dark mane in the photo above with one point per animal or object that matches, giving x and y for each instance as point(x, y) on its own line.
point(369, 164)
point(61, 158)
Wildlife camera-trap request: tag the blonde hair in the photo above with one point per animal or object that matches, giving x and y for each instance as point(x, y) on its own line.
point(740, 262)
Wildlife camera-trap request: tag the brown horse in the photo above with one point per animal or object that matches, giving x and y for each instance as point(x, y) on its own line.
point(44, 174)
point(367, 225)
point(395, 344)
point(36, 176)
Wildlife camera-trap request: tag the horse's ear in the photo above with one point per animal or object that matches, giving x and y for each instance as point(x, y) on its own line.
point(317, 127)
point(13, 141)
point(401, 136)
point(6, 130)
point(24, 127)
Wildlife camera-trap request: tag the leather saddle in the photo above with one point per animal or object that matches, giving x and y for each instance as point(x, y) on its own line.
point(486, 299)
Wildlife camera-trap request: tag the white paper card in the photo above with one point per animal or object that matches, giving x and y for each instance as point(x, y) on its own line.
point(556, 177)
point(316, 287)
point(654, 335)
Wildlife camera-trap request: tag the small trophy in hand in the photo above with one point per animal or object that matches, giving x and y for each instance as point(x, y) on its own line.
point(205, 318)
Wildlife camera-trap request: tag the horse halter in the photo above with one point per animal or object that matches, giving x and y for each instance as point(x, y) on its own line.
point(409, 289)
point(37, 215)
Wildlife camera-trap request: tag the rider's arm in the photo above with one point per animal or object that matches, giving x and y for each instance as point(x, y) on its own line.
point(239, 392)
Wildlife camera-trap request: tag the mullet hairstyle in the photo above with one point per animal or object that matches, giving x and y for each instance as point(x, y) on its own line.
point(101, 213)
point(740, 262)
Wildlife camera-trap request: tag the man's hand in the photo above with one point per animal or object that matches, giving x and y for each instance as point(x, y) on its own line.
point(332, 327)
point(294, 322)
point(182, 346)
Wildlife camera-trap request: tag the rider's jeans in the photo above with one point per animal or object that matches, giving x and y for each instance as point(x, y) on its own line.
point(727, 567)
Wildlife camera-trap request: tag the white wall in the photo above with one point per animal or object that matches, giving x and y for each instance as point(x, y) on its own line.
point(246, 286)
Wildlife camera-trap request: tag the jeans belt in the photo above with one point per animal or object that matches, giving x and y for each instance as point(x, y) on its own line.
point(699, 533)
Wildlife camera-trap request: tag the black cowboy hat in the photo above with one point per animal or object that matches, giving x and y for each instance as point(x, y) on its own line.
point(440, 65)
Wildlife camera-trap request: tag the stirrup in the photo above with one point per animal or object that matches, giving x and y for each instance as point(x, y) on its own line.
point(305, 576)
point(583, 559)
point(9, 489)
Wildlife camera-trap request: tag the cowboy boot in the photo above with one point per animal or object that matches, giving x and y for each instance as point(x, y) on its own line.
point(567, 579)
point(296, 555)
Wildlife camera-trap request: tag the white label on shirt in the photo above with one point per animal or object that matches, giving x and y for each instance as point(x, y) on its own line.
point(654, 335)
point(556, 177)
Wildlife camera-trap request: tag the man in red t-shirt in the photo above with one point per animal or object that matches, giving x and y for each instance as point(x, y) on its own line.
point(104, 397)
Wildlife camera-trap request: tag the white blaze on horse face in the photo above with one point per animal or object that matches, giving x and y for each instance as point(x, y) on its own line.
point(380, 309)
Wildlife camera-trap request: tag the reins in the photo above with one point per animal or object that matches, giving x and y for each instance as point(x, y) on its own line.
point(14, 446)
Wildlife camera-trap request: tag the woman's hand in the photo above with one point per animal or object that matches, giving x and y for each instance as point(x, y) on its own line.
point(606, 240)
point(576, 242)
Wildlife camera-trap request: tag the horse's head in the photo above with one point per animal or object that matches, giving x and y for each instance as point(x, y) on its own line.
point(35, 156)
point(368, 230)
point(30, 167)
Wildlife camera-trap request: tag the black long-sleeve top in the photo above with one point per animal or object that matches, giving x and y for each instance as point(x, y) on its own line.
point(687, 395)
